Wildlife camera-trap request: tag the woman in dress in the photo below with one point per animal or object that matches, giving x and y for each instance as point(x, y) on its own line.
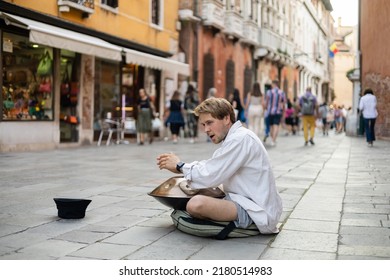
point(175, 119)
point(254, 106)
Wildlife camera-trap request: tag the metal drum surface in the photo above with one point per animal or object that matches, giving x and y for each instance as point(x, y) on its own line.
point(175, 194)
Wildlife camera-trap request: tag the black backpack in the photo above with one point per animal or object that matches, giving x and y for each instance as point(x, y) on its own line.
point(307, 106)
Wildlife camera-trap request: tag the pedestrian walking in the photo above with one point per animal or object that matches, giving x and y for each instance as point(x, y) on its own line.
point(275, 105)
point(175, 119)
point(254, 107)
point(267, 128)
point(212, 92)
point(309, 110)
point(338, 118)
point(144, 117)
point(367, 106)
point(296, 119)
point(289, 118)
point(323, 115)
point(238, 105)
point(190, 103)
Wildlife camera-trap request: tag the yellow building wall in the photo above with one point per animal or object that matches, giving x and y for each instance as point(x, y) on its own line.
point(132, 22)
point(343, 87)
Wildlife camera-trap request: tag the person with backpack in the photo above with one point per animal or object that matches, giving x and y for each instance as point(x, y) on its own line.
point(309, 110)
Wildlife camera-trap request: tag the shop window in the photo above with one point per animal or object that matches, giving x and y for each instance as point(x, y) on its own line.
point(107, 96)
point(130, 86)
point(69, 96)
point(156, 12)
point(27, 80)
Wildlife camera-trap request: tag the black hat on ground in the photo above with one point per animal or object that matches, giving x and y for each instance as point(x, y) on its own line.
point(71, 208)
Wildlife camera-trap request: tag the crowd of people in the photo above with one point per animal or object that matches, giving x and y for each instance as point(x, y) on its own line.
point(263, 113)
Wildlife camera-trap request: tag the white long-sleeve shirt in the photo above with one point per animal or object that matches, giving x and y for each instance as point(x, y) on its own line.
point(242, 165)
point(367, 104)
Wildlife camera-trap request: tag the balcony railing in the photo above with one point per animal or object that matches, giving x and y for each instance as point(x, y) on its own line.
point(213, 13)
point(275, 42)
point(86, 6)
point(251, 32)
point(234, 24)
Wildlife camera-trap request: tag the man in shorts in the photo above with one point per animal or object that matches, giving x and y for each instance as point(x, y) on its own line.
point(275, 101)
point(240, 164)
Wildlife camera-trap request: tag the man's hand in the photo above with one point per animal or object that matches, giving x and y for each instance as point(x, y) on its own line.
point(168, 161)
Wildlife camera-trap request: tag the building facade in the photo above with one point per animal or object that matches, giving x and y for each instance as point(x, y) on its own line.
point(66, 65)
point(374, 67)
point(262, 41)
point(345, 63)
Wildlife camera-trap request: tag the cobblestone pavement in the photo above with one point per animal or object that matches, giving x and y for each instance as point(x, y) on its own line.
point(336, 200)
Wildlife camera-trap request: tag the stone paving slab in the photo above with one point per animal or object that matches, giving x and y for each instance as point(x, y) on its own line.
point(307, 241)
point(291, 254)
point(312, 225)
point(103, 251)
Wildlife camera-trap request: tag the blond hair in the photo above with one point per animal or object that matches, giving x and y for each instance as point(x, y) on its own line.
point(218, 108)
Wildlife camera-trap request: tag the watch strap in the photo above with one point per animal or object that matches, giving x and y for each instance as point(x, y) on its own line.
point(179, 166)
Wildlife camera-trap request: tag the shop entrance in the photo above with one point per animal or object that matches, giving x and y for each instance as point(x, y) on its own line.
point(132, 81)
point(70, 87)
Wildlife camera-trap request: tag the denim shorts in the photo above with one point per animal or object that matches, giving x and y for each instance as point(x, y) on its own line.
point(243, 219)
point(275, 119)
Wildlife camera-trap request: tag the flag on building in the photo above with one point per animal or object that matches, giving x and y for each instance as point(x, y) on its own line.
point(333, 50)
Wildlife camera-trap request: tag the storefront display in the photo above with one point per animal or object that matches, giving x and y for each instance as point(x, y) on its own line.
point(107, 97)
point(69, 95)
point(27, 80)
point(130, 84)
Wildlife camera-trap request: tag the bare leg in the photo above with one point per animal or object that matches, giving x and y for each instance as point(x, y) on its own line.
point(205, 207)
point(141, 138)
point(274, 132)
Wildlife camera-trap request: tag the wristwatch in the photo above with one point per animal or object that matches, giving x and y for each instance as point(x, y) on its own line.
point(179, 166)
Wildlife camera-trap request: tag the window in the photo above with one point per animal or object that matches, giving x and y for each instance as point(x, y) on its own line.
point(229, 77)
point(111, 3)
point(27, 83)
point(208, 73)
point(156, 12)
point(247, 80)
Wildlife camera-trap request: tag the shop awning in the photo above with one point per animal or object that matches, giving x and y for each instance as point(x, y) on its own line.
point(61, 38)
point(156, 62)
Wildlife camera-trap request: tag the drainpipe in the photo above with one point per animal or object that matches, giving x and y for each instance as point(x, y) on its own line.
point(195, 54)
point(359, 45)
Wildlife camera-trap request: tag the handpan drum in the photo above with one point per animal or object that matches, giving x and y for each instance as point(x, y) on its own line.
point(175, 193)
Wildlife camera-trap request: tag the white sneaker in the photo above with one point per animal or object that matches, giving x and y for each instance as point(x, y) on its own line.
point(272, 143)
